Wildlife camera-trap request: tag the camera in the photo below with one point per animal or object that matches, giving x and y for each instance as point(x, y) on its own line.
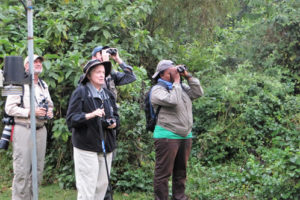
point(44, 104)
point(108, 122)
point(108, 109)
point(112, 51)
point(181, 68)
point(8, 121)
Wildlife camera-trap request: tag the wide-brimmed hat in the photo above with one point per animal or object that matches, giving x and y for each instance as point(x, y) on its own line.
point(93, 63)
point(98, 48)
point(161, 66)
point(34, 58)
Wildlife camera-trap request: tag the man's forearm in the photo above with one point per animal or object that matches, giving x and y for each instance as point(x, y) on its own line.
point(124, 66)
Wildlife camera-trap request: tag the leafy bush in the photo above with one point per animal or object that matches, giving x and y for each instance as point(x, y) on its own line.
point(59, 167)
point(242, 111)
point(247, 124)
point(276, 177)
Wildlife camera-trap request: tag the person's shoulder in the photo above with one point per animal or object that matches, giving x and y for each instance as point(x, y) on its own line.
point(110, 93)
point(157, 88)
point(79, 89)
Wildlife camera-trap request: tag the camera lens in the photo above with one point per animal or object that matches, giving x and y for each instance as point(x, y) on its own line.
point(4, 141)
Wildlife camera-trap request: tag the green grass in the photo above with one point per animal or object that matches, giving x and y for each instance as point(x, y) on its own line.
point(49, 191)
point(53, 192)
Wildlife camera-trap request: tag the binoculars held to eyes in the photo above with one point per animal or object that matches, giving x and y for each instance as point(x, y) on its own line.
point(181, 68)
point(112, 51)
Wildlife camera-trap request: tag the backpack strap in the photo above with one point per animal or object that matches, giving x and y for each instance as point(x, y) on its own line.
point(41, 82)
point(82, 92)
point(157, 110)
point(159, 106)
point(22, 97)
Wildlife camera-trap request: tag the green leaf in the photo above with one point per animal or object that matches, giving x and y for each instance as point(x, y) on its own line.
point(106, 34)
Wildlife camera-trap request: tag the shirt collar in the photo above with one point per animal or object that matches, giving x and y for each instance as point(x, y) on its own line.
point(96, 93)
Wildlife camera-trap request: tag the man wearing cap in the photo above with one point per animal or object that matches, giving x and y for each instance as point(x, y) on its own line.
point(88, 102)
point(19, 108)
point(172, 134)
point(115, 78)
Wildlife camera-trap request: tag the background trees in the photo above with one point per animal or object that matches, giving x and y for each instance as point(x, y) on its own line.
point(245, 52)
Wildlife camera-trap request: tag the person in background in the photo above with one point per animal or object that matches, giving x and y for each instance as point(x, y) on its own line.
point(172, 134)
point(116, 78)
point(19, 107)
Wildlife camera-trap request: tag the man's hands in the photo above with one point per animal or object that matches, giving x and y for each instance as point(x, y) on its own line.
point(187, 75)
point(184, 72)
point(42, 112)
point(115, 57)
point(174, 75)
point(50, 113)
point(105, 55)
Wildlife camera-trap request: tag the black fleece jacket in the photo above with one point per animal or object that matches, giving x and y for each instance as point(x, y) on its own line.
point(85, 133)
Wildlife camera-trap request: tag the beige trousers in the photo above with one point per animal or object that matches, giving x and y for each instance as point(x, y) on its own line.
point(22, 163)
point(90, 174)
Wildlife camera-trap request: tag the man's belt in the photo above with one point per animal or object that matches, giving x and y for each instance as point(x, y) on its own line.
point(28, 125)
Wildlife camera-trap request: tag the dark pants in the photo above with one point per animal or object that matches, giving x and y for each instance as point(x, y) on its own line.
point(171, 159)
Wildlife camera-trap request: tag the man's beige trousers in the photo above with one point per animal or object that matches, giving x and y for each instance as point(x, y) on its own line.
point(22, 154)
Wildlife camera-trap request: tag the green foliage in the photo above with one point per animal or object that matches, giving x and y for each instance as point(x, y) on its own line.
point(277, 43)
point(278, 174)
point(274, 176)
point(246, 54)
point(190, 20)
point(60, 130)
point(134, 144)
point(267, 36)
point(139, 180)
point(6, 169)
point(243, 110)
point(59, 167)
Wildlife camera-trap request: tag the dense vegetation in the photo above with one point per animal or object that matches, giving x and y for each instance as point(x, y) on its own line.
point(246, 54)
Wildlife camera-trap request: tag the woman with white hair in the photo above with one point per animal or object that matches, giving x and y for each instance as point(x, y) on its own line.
point(92, 111)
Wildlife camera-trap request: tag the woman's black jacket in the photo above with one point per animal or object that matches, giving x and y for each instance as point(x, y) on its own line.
point(85, 133)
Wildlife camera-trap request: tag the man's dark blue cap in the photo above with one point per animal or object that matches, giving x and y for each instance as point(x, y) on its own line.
point(98, 48)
